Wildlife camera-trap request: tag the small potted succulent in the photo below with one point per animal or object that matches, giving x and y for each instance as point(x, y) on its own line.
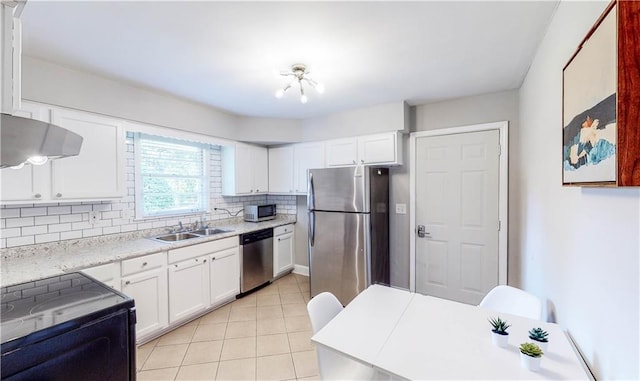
point(539, 337)
point(499, 335)
point(530, 356)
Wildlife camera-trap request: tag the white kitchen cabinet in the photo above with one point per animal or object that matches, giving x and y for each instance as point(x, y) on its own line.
point(281, 173)
point(10, 58)
point(245, 170)
point(341, 152)
point(306, 156)
point(31, 182)
point(145, 279)
point(188, 288)
point(379, 149)
point(108, 274)
point(224, 270)
point(149, 290)
point(97, 173)
point(195, 284)
point(283, 249)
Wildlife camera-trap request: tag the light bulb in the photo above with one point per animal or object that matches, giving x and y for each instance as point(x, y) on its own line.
point(38, 160)
point(320, 88)
point(19, 166)
point(303, 99)
point(279, 93)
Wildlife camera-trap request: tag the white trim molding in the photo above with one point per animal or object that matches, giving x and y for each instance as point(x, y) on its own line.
point(503, 203)
point(301, 270)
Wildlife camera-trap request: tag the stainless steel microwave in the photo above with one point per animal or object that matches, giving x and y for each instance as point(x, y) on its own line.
point(257, 213)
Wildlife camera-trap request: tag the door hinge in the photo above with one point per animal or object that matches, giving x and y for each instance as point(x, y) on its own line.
point(499, 225)
point(499, 149)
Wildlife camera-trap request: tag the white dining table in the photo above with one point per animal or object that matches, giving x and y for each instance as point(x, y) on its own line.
point(411, 336)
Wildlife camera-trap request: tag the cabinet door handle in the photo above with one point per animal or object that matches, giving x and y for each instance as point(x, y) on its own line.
point(58, 194)
point(127, 282)
point(37, 195)
point(279, 239)
point(257, 190)
point(213, 259)
point(144, 264)
point(205, 261)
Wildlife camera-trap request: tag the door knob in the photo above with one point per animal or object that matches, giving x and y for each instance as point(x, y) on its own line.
point(422, 232)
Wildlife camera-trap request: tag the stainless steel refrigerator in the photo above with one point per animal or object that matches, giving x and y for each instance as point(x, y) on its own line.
point(348, 230)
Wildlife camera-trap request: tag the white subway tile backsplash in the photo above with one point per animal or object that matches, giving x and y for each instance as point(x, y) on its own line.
point(10, 213)
point(71, 235)
point(20, 241)
point(71, 218)
point(33, 230)
point(29, 212)
point(12, 232)
point(19, 222)
point(59, 210)
point(54, 228)
point(46, 220)
point(28, 223)
point(91, 232)
point(51, 237)
point(81, 208)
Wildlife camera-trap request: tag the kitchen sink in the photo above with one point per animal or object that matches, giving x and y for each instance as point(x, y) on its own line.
point(173, 237)
point(210, 231)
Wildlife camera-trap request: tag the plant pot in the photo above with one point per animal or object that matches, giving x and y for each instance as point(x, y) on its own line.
point(530, 363)
point(500, 340)
point(542, 344)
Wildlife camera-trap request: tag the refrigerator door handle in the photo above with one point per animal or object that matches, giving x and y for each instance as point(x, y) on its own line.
point(312, 228)
point(311, 200)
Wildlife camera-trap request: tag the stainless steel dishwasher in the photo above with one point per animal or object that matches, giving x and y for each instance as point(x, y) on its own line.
point(256, 259)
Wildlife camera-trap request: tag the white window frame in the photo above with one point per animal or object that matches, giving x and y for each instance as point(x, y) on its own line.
point(138, 177)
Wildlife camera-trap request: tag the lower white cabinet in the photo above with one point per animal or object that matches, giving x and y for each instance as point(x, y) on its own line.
point(149, 290)
point(108, 274)
point(224, 270)
point(283, 249)
point(188, 288)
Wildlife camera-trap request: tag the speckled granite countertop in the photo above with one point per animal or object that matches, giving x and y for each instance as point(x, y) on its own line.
point(29, 263)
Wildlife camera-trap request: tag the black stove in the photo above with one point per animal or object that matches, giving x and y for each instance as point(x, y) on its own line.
point(71, 326)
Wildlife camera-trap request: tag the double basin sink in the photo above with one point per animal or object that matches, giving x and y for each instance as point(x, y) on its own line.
point(175, 237)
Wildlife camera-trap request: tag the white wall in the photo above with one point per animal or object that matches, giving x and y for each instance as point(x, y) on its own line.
point(54, 84)
point(370, 120)
point(578, 248)
point(269, 131)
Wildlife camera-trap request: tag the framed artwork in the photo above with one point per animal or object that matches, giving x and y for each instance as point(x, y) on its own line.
point(601, 102)
point(590, 79)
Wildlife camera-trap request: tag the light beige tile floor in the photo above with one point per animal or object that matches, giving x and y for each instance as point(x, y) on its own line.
point(263, 336)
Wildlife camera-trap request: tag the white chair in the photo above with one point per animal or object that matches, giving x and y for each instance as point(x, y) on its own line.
point(333, 366)
point(513, 301)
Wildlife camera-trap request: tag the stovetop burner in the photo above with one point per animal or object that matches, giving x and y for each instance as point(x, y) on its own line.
point(29, 307)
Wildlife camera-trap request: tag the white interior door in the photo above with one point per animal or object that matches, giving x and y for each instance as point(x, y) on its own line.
point(457, 214)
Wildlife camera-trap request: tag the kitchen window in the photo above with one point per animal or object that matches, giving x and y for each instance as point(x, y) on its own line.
point(171, 176)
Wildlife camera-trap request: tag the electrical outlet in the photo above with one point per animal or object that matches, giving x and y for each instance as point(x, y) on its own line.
point(401, 208)
point(93, 217)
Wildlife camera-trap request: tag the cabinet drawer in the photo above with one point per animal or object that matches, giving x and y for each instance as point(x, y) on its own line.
point(282, 230)
point(148, 262)
point(104, 273)
point(183, 253)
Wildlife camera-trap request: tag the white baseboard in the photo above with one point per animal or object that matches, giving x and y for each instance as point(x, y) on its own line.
point(301, 270)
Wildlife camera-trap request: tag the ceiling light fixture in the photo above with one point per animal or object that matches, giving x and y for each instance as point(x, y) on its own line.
point(299, 76)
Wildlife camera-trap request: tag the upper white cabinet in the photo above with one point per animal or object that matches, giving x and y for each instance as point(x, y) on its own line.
point(97, 173)
point(306, 156)
point(245, 170)
point(341, 152)
point(281, 172)
point(379, 149)
point(31, 182)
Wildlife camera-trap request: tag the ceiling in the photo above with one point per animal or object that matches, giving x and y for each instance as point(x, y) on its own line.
point(227, 54)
